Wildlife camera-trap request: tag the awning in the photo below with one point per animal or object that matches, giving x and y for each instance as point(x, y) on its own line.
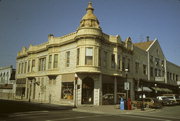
point(68, 77)
point(6, 86)
point(145, 89)
point(161, 89)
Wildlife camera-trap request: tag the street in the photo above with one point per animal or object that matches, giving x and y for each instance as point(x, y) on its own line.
point(24, 111)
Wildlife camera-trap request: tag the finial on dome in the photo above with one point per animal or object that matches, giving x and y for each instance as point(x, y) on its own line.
point(89, 19)
point(90, 6)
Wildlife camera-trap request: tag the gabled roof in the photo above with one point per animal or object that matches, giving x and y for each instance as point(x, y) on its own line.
point(144, 45)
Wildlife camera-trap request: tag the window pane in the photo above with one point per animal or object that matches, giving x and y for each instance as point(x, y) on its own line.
point(78, 54)
point(67, 90)
point(105, 59)
point(89, 51)
point(89, 56)
point(55, 60)
point(67, 59)
point(88, 60)
point(113, 60)
point(50, 62)
point(42, 64)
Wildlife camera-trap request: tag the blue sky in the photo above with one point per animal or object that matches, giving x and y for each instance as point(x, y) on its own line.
point(25, 22)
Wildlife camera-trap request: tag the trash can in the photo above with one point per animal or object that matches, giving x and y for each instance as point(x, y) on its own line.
point(121, 104)
point(129, 104)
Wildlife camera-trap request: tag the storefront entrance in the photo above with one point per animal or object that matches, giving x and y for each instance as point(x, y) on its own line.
point(87, 90)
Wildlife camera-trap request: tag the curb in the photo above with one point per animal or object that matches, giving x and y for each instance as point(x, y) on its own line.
point(116, 112)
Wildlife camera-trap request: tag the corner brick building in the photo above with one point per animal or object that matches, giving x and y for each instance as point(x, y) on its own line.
point(91, 67)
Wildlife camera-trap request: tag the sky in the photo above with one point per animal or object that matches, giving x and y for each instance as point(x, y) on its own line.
point(25, 22)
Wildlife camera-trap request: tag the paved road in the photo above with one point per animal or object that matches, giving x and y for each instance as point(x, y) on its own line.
point(24, 111)
point(167, 111)
point(78, 116)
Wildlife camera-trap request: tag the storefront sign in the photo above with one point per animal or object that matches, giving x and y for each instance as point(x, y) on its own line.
point(159, 79)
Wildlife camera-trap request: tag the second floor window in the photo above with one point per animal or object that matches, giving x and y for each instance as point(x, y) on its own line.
point(29, 66)
point(156, 72)
point(136, 67)
point(55, 61)
point(42, 64)
point(67, 59)
point(176, 77)
point(151, 59)
point(104, 59)
point(151, 71)
point(119, 62)
point(78, 54)
point(89, 56)
point(128, 65)
point(50, 62)
point(144, 69)
point(99, 61)
point(22, 67)
point(113, 61)
point(25, 67)
point(123, 64)
point(33, 65)
point(157, 61)
point(19, 68)
point(168, 75)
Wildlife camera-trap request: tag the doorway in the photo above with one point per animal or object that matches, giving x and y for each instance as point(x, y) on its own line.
point(87, 90)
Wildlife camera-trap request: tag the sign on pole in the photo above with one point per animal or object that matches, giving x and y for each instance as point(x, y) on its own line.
point(126, 85)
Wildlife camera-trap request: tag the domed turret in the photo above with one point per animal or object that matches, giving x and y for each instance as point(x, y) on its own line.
point(89, 25)
point(89, 19)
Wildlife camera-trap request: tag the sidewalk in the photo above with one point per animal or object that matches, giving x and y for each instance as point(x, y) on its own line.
point(109, 109)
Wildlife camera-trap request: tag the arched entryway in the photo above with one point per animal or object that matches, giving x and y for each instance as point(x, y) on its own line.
point(87, 90)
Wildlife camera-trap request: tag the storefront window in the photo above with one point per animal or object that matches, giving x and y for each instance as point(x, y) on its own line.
point(108, 93)
point(67, 90)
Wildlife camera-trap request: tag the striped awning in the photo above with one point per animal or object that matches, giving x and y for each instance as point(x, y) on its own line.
point(145, 89)
point(161, 89)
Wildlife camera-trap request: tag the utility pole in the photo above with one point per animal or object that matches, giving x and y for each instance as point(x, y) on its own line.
point(126, 88)
point(30, 90)
point(75, 90)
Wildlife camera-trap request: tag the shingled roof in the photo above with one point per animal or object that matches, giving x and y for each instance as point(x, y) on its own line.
point(144, 45)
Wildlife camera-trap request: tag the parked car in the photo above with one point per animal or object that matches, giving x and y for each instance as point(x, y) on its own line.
point(173, 97)
point(108, 99)
point(164, 100)
point(167, 101)
point(148, 103)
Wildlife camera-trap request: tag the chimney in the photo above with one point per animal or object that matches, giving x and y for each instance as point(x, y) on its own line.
point(50, 37)
point(147, 38)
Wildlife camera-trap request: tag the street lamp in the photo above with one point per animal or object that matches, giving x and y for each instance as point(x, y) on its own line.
point(126, 88)
point(155, 89)
point(75, 86)
point(142, 96)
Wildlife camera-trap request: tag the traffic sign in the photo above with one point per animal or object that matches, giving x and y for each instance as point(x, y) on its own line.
point(126, 85)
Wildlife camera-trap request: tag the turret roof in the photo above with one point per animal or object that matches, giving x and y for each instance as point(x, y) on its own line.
point(89, 19)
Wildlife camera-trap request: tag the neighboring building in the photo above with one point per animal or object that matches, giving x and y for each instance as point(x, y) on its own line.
point(7, 82)
point(83, 67)
point(162, 76)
